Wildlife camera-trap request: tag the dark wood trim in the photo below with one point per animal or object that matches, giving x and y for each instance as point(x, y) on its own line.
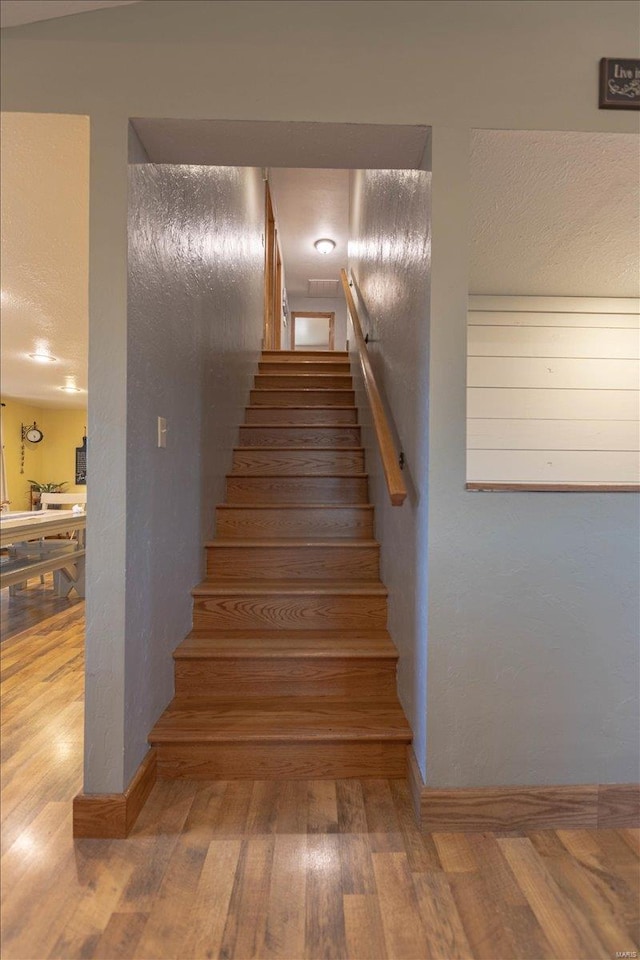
point(489, 487)
point(523, 808)
point(269, 269)
point(277, 296)
point(112, 815)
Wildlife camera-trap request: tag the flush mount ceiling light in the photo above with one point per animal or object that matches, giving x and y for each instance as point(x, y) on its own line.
point(325, 245)
point(42, 358)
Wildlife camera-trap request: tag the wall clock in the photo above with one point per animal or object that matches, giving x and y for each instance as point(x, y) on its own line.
point(33, 433)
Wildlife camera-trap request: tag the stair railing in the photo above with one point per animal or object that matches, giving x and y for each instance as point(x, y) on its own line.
point(389, 455)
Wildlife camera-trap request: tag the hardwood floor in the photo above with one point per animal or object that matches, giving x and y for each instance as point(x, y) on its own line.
point(272, 869)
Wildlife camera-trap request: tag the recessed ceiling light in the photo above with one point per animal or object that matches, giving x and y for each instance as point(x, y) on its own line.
point(43, 358)
point(325, 245)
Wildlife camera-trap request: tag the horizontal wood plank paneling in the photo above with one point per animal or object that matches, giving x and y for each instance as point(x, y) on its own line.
point(553, 373)
point(506, 318)
point(553, 391)
point(597, 305)
point(521, 341)
point(522, 434)
point(553, 404)
point(543, 466)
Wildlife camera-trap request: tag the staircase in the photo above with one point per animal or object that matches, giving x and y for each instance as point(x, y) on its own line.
point(289, 671)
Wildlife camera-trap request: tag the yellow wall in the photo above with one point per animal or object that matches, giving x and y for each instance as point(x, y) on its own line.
point(50, 461)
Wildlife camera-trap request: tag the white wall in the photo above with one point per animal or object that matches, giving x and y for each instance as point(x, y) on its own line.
point(180, 59)
point(322, 305)
point(553, 391)
point(389, 257)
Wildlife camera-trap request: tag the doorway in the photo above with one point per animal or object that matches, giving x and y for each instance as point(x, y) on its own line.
point(311, 330)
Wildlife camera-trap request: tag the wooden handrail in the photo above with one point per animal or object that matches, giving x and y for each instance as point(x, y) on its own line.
point(386, 445)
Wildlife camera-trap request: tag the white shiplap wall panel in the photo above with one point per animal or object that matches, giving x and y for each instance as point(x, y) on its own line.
point(514, 318)
point(553, 373)
point(596, 343)
point(553, 435)
point(553, 404)
point(598, 305)
point(553, 466)
point(553, 391)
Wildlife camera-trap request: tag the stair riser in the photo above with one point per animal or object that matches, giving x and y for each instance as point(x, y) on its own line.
point(282, 761)
point(251, 523)
point(289, 611)
point(307, 366)
point(293, 562)
point(297, 490)
point(301, 417)
point(299, 437)
point(302, 398)
point(366, 679)
point(296, 462)
point(303, 381)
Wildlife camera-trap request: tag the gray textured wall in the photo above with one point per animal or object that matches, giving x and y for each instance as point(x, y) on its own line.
point(390, 258)
point(194, 330)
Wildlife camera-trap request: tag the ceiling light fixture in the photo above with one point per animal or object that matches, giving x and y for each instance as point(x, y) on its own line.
point(70, 389)
point(325, 245)
point(43, 358)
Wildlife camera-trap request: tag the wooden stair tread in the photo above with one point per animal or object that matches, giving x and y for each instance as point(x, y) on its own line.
point(295, 506)
point(303, 448)
point(308, 644)
point(221, 542)
point(211, 588)
point(307, 476)
point(282, 719)
point(297, 426)
point(328, 354)
point(253, 406)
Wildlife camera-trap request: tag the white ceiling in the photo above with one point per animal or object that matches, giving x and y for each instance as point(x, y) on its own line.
point(45, 256)
point(555, 214)
point(13, 13)
point(310, 204)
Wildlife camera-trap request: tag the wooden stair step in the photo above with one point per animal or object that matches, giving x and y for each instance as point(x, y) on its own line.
point(293, 558)
point(250, 588)
point(304, 380)
point(273, 604)
point(267, 520)
point(209, 720)
point(310, 644)
point(275, 365)
point(296, 416)
point(288, 435)
point(323, 489)
point(281, 738)
point(284, 355)
point(297, 460)
point(319, 667)
point(310, 396)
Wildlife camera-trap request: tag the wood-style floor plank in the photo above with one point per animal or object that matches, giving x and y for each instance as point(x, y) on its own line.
point(272, 870)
